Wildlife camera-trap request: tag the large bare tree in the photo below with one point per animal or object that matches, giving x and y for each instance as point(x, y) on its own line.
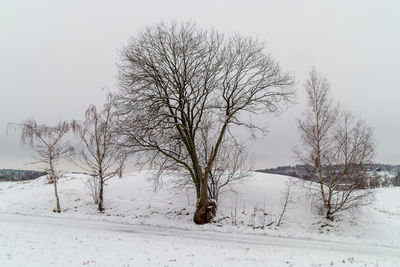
point(50, 146)
point(172, 77)
point(337, 148)
point(99, 154)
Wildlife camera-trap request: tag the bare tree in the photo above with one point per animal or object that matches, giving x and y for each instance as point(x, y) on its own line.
point(122, 163)
point(172, 77)
point(93, 185)
point(336, 148)
point(99, 154)
point(229, 167)
point(49, 145)
point(286, 199)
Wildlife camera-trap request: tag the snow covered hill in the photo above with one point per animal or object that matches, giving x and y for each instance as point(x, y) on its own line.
point(252, 209)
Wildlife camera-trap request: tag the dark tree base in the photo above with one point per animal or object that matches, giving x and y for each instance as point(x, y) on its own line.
point(205, 213)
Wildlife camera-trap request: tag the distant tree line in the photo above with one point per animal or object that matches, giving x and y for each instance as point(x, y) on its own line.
point(387, 173)
point(19, 175)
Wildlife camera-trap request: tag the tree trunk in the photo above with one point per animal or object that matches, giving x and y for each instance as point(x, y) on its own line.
point(329, 215)
point(100, 206)
point(57, 209)
point(205, 209)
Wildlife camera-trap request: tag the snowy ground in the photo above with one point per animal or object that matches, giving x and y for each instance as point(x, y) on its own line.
point(36, 241)
point(146, 228)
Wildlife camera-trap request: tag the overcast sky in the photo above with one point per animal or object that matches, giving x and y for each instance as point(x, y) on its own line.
point(55, 56)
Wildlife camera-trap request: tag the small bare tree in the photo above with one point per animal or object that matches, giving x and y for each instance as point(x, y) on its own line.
point(229, 168)
point(286, 199)
point(122, 165)
point(336, 149)
point(230, 165)
point(172, 77)
point(49, 145)
point(93, 185)
point(99, 154)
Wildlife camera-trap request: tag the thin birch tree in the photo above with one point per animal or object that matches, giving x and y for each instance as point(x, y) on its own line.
point(50, 146)
point(99, 154)
point(337, 148)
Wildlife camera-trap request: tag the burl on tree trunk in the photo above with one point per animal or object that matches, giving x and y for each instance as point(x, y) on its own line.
point(205, 212)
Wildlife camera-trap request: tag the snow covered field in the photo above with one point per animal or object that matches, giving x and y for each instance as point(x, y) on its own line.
point(145, 228)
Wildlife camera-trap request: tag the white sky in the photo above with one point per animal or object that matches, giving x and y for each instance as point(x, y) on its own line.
point(55, 56)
